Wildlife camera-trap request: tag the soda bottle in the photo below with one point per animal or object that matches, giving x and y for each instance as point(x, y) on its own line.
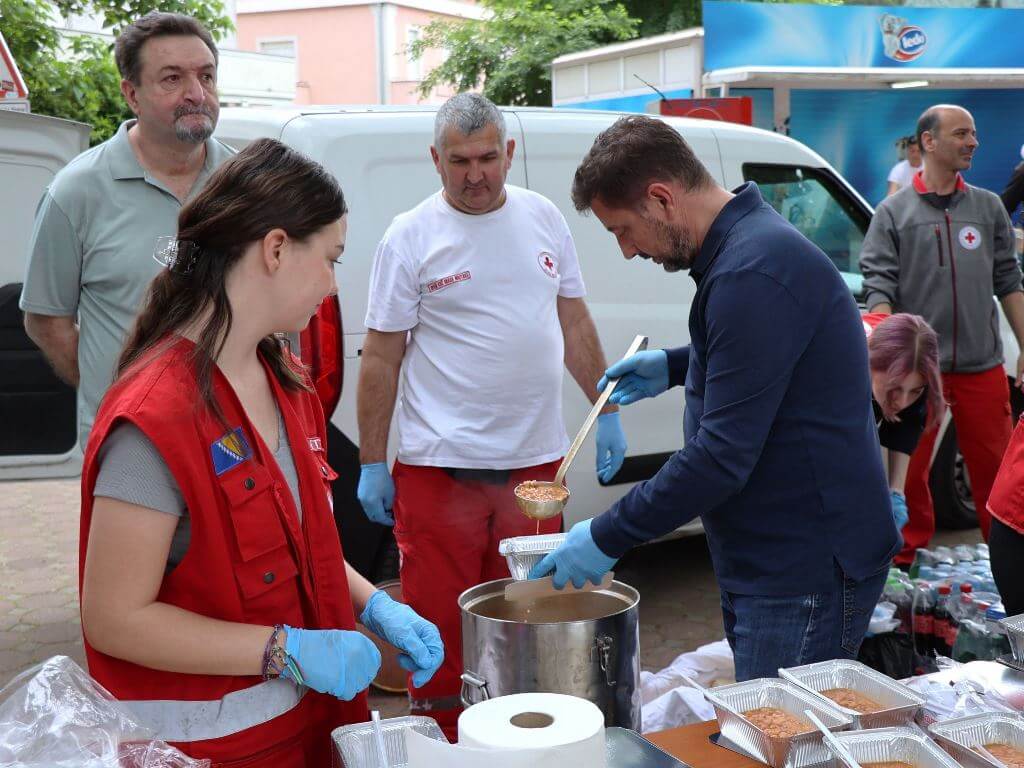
point(940, 621)
point(923, 608)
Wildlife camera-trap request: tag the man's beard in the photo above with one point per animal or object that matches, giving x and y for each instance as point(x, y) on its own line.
point(680, 251)
point(195, 133)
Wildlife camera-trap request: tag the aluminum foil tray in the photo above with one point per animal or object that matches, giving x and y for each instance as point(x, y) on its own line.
point(356, 748)
point(900, 704)
point(904, 745)
point(799, 751)
point(960, 736)
point(1014, 626)
point(523, 552)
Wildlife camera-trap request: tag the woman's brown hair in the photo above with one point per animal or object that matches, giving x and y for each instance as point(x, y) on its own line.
point(266, 186)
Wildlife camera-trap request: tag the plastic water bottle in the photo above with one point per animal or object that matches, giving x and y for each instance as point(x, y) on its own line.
point(964, 553)
point(1000, 640)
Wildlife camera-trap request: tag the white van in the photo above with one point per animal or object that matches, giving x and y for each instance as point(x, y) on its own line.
point(38, 427)
point(380, 156)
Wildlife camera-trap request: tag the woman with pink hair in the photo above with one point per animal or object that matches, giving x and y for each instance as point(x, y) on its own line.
point(903, 355)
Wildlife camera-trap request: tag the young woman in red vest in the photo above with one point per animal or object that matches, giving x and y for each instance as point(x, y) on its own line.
point(903, 355)
point(216, 602)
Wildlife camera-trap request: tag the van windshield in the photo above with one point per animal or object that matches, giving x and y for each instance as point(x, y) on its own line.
point(815, 203)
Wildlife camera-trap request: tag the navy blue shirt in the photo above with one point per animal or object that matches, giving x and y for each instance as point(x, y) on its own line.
point(781, 459)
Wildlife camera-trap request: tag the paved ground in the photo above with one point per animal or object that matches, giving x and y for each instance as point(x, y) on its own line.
point(679, 607)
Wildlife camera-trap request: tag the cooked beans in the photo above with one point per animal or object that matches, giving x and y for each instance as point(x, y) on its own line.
point(1011, 757)
point(845, 697)
point(777, 723)
point(534, 491)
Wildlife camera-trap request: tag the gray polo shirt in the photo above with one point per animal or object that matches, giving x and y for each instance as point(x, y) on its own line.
point(91, 253)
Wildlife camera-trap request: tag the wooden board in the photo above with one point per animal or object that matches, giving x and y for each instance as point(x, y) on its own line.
point(690, 744)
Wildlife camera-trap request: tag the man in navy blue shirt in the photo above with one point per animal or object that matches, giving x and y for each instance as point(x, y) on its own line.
point(781, 458)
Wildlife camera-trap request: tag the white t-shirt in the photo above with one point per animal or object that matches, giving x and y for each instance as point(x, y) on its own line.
point(903, 173)
point(482, 375)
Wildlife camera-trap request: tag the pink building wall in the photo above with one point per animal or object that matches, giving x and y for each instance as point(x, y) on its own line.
point(404, 79)
point(336, 52)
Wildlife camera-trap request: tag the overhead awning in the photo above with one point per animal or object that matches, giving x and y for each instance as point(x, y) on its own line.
point(863, 77)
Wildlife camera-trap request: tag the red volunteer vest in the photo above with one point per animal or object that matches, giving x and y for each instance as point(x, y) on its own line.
point(249, 560)
point(872, 321)
point(1006, 501)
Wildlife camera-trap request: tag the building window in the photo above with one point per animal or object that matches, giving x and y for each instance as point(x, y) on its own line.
point(413, 70)
point(278, 46)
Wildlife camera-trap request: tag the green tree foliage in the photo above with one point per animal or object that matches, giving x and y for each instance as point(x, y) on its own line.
point(659, 16)
point(510, 51)
point(75, 77)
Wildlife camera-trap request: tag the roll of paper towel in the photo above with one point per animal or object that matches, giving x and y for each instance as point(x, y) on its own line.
point(523, 730)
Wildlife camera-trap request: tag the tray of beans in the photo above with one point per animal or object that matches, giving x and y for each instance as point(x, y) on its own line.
point(872, 699)
point(765, 718)
point(523, 552)
point(894, 748)
point(984, 741)
point(1014, 626)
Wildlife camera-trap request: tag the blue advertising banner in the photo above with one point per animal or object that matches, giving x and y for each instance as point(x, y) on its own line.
point(747, 34)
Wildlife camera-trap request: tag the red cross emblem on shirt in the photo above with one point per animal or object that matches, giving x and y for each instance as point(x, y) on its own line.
point(547, 264)
point(970, 237)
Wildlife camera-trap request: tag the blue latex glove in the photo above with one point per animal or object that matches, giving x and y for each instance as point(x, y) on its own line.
point(417, 639)
point(577, 559)
point(900, 516)
point(611, 445)
point(644, 374)
point(333, 661)
point(376, 492)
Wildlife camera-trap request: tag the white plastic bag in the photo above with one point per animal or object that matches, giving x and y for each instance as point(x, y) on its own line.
point(668, 702)
point(55, 715)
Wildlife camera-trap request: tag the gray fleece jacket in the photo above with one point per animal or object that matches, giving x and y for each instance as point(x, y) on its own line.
point(945, 265)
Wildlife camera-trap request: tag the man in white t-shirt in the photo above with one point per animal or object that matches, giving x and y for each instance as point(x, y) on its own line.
point(902, 174)
point(476, 302)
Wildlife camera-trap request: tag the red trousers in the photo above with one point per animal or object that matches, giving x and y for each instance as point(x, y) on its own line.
point(980, 403)
point(448, 533)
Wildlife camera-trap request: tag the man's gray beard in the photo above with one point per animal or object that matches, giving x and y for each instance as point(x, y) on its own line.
point(196, 134)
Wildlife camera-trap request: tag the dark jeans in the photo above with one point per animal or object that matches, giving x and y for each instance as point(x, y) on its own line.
point(767, 632)
point(1006, 548)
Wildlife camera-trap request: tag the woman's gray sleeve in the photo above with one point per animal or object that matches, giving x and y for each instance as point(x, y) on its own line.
point(132, 470)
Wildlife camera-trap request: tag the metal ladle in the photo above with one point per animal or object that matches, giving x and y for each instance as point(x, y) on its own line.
point(542, 510)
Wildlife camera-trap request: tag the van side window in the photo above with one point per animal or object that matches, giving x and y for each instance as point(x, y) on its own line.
point(816, 204)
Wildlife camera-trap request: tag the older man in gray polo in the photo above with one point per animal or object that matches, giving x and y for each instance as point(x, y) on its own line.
point(99, 221)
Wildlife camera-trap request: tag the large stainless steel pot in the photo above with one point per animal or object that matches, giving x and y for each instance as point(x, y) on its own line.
point(586, 644)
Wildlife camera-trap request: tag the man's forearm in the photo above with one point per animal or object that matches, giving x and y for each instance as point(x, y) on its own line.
point(375, 402)
point(57, 337)
point(583, 354)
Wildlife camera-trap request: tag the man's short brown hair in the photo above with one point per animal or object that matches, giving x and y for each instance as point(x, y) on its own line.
point(129, 43)
point(633, 153)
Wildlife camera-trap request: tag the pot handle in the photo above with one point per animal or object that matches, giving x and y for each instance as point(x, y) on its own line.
point(471, 680)
point(603, 646)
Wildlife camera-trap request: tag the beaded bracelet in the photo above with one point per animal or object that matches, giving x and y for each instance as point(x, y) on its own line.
point(277, 660)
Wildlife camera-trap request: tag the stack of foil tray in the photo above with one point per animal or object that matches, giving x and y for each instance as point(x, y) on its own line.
point(889, 745)
point(1014, 626)
point(900, 705)
point(805, 749)
point(960, 737)
point(523, 552)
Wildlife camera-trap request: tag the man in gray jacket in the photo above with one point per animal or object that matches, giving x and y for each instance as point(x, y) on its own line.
point(942, 249)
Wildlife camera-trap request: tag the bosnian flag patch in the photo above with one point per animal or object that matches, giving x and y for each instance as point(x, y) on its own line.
point(230, 451)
